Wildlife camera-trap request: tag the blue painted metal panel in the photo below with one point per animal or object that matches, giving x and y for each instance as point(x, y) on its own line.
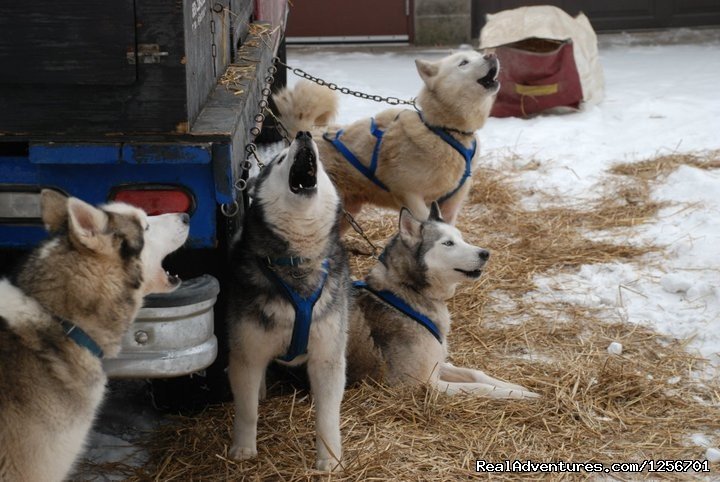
point(162, 153)
point(93, 183)
point(53, 153)
point(152, 153)
point(223, 174)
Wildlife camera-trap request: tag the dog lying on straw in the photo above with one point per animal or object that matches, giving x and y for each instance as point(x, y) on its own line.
point(399, 322)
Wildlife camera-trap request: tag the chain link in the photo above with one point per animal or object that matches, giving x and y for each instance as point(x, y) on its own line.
point(358, 229)
point(213, 47)
point(344, 90)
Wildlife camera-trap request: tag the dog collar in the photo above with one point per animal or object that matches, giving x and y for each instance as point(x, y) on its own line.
point(293, 261)
point(78, 335)
point(446, 129)
point(399, 304)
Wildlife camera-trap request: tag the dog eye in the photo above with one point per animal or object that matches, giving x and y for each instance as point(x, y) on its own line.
point(147, 228)
point(464, 62)
point(448, 243)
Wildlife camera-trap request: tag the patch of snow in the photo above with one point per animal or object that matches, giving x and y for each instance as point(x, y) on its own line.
point(615, 348)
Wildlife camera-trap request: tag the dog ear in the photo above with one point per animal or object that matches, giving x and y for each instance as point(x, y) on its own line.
point(409, 227)
point(54, 209)
point(427, 71)
point(435, 214)
point(87, 223)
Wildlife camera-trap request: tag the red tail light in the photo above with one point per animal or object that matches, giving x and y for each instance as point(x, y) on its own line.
point(156, 200)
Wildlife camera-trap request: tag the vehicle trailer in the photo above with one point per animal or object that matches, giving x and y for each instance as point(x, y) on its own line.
point(148, 102)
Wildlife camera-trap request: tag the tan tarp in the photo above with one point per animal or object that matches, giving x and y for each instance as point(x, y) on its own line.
point(550, 22)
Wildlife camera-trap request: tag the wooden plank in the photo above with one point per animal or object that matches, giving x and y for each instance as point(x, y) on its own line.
point(46, 42)
point(199, 72)
point(225, 110)
point(241, 17)
point(155, 102)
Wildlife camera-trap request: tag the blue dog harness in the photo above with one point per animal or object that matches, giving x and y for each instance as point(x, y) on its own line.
point(466, 152)
point(369, 172)
point(303, 306)
point(76, 334)
point(399, 304)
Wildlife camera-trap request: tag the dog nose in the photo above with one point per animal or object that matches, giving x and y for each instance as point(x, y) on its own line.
point(484, 254)
point(185, 218)
point(489, 56)
point(303, 135)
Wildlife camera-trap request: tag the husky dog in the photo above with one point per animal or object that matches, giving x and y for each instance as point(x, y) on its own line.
point(405, 157)
point(75, 297)
point(288, 300)
point(400, 322)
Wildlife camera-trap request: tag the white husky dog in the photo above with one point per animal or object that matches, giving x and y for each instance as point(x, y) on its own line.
point(288, 299)
point(399, 322)
point(404, 157)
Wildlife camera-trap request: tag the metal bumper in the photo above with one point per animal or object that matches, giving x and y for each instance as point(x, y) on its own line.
point(172, 335)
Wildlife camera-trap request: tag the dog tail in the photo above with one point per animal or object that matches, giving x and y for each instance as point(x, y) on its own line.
point(306, 106)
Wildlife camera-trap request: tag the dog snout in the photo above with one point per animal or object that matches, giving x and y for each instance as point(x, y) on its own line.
point(303, 135)
point(484, 254)
point(185, 218)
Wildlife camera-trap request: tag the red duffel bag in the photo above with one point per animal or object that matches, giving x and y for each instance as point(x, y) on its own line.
point(536, 75)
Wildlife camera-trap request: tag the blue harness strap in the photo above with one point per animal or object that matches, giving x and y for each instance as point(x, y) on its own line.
point(368, 172)
point(466, 152)
point(303, 313)
point(76, 334)
point(399, 304)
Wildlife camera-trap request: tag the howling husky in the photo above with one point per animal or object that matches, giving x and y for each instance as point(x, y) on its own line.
point(75, 298)
point(399, 322)
point(404, 158)
point(289, 297)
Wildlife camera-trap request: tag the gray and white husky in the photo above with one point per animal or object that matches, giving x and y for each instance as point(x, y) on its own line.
point(399, 321)
point(289, 296)
point(73, 300)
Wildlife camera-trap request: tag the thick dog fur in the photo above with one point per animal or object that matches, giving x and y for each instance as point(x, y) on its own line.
point(422, 265)
point(93, 271)
point(415, 164)
point(283, 223)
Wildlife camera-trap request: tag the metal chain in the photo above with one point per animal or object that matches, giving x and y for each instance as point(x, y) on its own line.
point(358, 229)
point(213, 47)
point(241, 184)
point(279, 126)
point(344, 90)
point(263, 104)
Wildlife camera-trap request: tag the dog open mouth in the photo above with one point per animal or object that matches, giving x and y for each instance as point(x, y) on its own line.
point(172, 279)
point(303, 172)
point(470, 274)
point(490, 80)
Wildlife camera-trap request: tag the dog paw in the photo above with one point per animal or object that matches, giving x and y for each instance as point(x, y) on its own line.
point(242, 453)
point(328, 465)
point(528, 394)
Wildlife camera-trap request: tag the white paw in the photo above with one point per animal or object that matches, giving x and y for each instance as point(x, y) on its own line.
point(328, 465)
point(242, 453)
point(528, 394)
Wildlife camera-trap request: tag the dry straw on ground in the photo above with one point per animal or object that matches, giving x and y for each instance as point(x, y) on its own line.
point(644, 404)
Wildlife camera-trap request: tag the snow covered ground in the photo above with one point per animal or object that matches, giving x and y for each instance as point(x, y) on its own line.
point(659, 99)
